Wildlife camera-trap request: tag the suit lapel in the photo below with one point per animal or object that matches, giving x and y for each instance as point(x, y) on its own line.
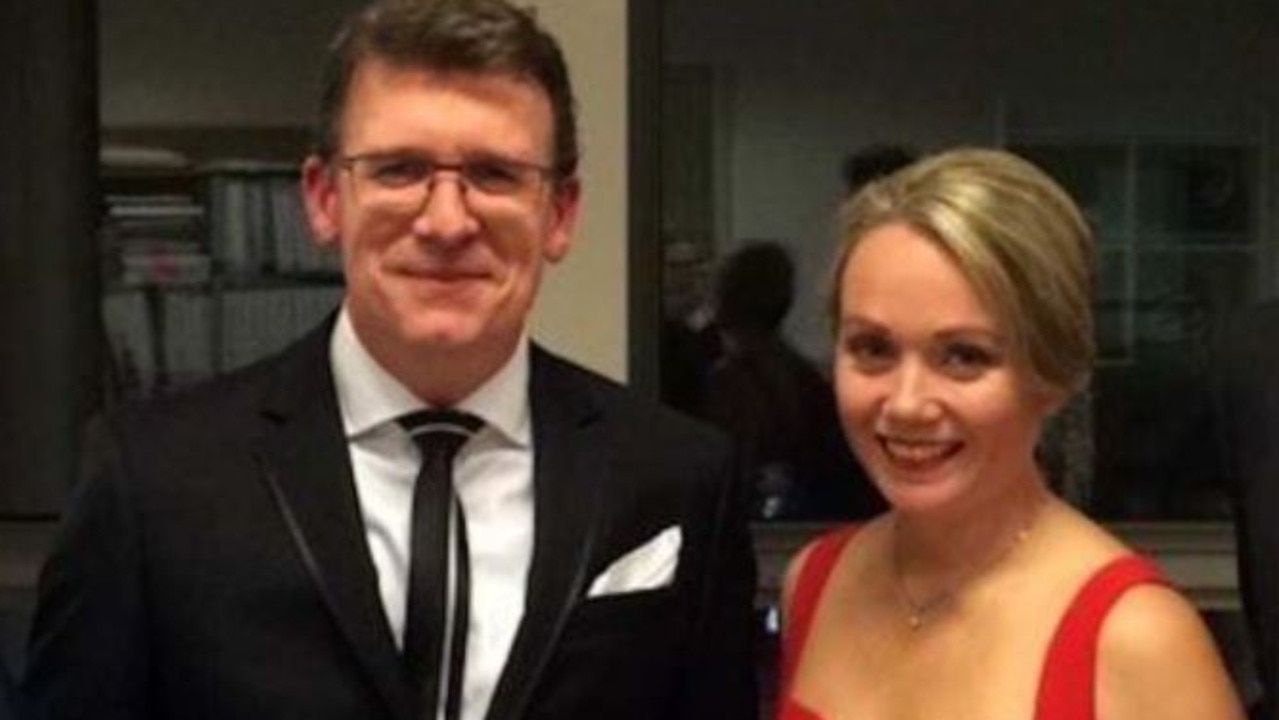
point(566, 517)
point(308, 471)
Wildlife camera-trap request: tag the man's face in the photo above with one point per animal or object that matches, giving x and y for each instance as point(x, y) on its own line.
point(441, 266)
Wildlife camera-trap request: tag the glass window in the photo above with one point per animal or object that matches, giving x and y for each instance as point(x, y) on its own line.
point(1157, 120)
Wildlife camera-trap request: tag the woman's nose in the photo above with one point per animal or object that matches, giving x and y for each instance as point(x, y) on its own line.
point(911, 393)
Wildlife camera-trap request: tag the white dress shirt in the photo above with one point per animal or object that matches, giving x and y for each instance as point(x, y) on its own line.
point(493, 477)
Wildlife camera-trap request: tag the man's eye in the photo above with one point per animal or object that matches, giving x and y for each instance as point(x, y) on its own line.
point(492, 175)
point(398, 172)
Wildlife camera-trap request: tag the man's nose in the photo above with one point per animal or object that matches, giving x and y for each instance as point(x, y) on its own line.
point(446, 214)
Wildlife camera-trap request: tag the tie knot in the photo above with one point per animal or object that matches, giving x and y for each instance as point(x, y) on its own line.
point(436, 431)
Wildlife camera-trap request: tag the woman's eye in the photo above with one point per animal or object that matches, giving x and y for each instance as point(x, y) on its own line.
point(965, 360)
point(870, 352)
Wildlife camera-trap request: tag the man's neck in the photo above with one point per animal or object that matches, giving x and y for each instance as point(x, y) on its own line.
point(442, 376)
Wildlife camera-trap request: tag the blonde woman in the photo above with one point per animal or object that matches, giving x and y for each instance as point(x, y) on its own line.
point(963, 322)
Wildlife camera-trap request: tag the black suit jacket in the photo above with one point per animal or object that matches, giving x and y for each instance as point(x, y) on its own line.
point(214, 564)
point(9, 707)
point(1247, 381)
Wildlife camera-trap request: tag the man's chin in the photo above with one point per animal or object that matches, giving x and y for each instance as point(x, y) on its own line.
point(443, 336)
point(448, 333)
point(441, 331)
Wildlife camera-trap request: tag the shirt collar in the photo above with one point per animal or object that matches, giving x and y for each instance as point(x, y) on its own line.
point(370, 397)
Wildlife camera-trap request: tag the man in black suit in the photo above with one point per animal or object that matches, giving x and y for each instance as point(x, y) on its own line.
point(9, 708)
point(1247, 420)
point(250, 548)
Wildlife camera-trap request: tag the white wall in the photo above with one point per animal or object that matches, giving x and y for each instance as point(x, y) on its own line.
point(255, 63)
point(583, 308)
point(814, 80)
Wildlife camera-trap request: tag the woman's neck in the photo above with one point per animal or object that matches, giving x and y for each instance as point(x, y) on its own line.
point(939, 556)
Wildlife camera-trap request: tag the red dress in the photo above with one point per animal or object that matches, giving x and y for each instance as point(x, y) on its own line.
point(1067, 682)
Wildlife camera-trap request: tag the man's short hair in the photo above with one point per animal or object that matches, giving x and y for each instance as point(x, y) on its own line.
point(473, 36)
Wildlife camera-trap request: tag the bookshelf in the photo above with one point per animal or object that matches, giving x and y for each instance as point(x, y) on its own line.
point(207, 266)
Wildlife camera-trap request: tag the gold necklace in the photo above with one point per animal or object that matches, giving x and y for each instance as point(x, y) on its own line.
point(919, 611)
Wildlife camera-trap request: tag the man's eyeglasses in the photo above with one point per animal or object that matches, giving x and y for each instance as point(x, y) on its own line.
point(404, 181)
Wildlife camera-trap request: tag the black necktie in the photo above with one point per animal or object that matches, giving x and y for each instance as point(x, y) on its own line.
point(439, 434)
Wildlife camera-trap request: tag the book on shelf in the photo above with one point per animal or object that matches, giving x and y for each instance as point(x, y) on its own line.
point(155, 251)
point(130, 341)
point(123, 231)
point(154, 238)
point(188, 342)
point(157, 340)
point(258, 225)
point(164, 268)
point(163, 340)
point(208, 268)
point(256, 322)
point(122, 206)
point(118, 158)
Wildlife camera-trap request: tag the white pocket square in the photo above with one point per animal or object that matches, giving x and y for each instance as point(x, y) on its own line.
point(648, 567)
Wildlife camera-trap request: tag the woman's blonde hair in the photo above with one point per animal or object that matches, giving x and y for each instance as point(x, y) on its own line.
point(1016, 236)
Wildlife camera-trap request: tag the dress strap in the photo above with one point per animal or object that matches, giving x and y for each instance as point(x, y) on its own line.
point(825, 551)
point(1068, 686)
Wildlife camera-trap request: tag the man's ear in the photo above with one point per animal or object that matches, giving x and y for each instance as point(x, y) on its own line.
point(565, 204)
point(320, 194)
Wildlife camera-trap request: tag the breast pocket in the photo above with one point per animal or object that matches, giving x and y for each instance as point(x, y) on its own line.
point(623, 652)
point(626, 613)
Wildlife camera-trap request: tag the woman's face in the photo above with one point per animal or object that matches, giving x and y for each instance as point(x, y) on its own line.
point(930, 393)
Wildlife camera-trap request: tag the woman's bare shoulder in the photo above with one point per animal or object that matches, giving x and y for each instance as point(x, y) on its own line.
point(864, 532)
point(1156, 658)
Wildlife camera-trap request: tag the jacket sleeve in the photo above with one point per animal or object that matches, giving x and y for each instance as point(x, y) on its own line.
point(1243, 419)
point(87, 651)
point(721, 677)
